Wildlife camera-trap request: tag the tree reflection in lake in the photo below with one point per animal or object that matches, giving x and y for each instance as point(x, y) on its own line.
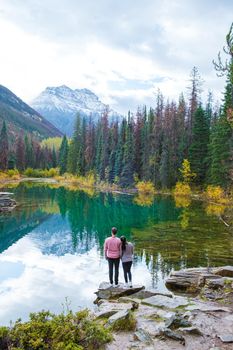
point(168, 234)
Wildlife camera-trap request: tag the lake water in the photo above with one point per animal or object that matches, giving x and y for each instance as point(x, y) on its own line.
point(51, 245)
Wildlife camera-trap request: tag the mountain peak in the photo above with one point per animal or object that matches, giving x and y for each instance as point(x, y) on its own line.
point(21, 117)
point(61, 104)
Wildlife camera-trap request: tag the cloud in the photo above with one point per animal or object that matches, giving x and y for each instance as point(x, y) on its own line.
point(108, 46)
point(44, 281)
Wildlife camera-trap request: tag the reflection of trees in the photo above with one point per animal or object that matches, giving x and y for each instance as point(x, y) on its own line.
point(18, 224)
point(144, 200)
point(215, 209)
point(183, 202)
point(168, 247)
point(166, 236)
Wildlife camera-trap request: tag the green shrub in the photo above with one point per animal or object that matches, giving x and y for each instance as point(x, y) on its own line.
point(127, 324)
point(12, 172)
point(44, 330)
point(41, 173)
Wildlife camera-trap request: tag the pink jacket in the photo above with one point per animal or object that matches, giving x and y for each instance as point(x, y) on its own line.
point(112, 247)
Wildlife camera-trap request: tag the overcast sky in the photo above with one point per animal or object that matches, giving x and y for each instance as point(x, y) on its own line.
point(123, 50)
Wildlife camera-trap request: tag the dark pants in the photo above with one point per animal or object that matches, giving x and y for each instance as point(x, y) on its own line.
point(113, 263)
point(127, 273)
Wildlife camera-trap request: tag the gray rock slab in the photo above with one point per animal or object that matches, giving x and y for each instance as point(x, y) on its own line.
point(216, 283)
point(173, 335)
point(106, 291)
point(226, 338)
point(120, 315)
point(225, 271)
point(166, 302)
point(143, 336)
point(205, 307)
point(177, 321)
point(105, 314)
point(191, 330)
point(146, 293)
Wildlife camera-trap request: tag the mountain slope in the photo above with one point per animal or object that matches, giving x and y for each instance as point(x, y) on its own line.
point(61, 104)
point(19, 116)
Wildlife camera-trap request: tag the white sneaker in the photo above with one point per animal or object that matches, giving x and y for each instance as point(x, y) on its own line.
point(116, 285)
point(126, 284)
point(130, 285)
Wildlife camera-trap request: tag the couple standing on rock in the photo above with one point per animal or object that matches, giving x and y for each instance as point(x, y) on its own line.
point(115, 249)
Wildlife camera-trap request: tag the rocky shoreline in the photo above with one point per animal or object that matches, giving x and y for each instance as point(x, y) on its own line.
point(196, 314)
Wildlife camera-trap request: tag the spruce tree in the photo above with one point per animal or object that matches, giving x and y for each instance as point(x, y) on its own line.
point(74, 148)
point(20, 154)
point(63, 155)
point(219, 173)
point(4, 148)
point(221, 146)
point(54, 158)
point(199, 147)
point(126, 176)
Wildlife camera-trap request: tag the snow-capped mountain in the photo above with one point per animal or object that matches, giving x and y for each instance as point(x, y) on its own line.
point(61, 104)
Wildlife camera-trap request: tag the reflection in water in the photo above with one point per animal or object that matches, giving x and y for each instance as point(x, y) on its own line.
point(57, 235)
point(215, 209)
point(144, 200)
point(183, 202)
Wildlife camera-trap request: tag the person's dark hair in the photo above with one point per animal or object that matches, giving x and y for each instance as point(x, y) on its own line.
point(114, 230)
point(124, 242)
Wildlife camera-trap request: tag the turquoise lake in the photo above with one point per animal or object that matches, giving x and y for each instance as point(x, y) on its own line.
point(51, 245)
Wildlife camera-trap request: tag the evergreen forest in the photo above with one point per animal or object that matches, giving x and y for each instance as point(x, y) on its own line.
point(149, 145)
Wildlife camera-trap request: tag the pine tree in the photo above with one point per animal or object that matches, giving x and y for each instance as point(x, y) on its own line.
point(63, 155)
point(199, 146)
point(221, 146)
point(81, 162)
point(4, 148)
point(120, 148)
point(220, 153)
point(126, 176)
point(29, 156)
point(54, 158)
point(74, 148)
point(90, 145)
point(20, 153)
point(113, 152)
point(194, 100)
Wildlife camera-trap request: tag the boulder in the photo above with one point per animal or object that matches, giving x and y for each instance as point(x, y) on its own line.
point(120, 315)
point(216, 283)
point(177, 321)
point(191, 330)
point(106, 291)
point(192, 280)
point(226, 338)
point(105, 314)
point(173, 335)
point(224, 271)
point(143, 336)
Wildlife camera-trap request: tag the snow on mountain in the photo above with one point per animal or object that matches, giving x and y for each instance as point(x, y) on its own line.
point(61, 104)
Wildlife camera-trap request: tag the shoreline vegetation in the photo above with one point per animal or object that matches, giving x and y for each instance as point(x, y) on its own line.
point(137, 317)
point(217, 201)
point(211, 194)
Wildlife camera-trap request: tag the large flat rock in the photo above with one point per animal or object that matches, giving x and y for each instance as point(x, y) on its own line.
point(192, 280)
point(224, 271)
point(166, 302)
point(106, 291)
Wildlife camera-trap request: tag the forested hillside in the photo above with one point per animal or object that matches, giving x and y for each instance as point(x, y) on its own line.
point(150, 145)
point(22, 118)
